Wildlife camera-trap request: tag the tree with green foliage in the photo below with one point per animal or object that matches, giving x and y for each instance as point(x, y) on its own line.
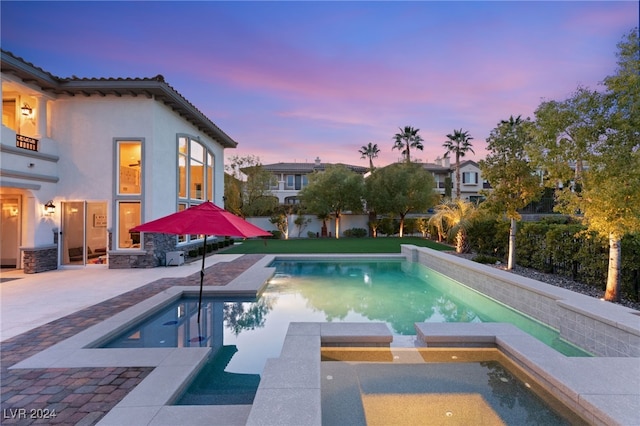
point(405, 140)
point(247, 188)
point(423, 226)
point(399, 189)
point(301, 222)
point(511, 175)
point(454, 217)
point(562, 132)
point(612, 200)
point(337, 189)
point(232, 194)
point(458, 143)
point(281, 216)
point(609, 200)
point(370, 151)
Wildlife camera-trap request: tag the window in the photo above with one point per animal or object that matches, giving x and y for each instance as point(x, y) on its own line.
point(129, 166)
point(195, 176)
point(209, 176)
point(296, 182)
point(182, 167)
point(9, 114)
point(129, 215)
point(195, 171)
point(470, 178)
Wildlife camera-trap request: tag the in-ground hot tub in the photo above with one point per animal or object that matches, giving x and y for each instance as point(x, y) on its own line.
point(435, 386)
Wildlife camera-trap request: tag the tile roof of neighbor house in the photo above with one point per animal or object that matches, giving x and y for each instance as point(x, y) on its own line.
point(432, 167)
point(465, 162)
point(153, 87)
point(309, 167)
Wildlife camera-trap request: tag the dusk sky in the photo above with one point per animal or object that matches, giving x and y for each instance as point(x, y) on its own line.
point(291, 81)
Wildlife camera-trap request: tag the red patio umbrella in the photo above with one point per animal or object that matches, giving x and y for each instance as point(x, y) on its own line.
point(205, 219)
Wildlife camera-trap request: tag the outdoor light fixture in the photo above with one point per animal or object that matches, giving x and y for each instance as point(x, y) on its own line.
point(49, 208)
point(26, 110)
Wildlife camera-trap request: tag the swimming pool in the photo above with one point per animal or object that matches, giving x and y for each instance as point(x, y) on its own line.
point(395, 292)
point(246, 332)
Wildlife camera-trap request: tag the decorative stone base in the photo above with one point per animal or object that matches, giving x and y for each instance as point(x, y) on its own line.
point(39, 259)
point(152, 253)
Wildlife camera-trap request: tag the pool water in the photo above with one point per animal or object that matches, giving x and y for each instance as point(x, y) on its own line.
point(245, 333)
point(398, 293)
point(452, 386)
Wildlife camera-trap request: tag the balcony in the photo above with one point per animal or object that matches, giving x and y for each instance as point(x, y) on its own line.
point(26, 142)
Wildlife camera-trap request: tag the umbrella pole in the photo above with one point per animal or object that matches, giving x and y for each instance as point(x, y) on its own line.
point(204, 254)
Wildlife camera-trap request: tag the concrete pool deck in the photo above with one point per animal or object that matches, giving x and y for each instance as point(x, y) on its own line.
point(612, 388)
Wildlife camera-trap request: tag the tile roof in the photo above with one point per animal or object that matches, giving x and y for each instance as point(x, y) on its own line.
point(150, 87)
point(308, 167)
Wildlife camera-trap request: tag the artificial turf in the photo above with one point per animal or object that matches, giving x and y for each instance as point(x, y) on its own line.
point(330, 245)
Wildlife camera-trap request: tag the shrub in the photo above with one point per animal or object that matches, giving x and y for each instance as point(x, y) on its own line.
point(490, 237)
point(356, 233)
point(311, 234)
point(389, 226)
point(532, 247)
point(276, 234)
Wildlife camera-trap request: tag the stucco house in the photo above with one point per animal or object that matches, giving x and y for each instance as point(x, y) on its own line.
point(471, 182)
point(290, 178)
point(86, 159)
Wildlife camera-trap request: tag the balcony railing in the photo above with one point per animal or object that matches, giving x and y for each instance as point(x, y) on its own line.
point(26, 142)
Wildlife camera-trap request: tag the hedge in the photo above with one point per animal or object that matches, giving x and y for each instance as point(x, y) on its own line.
point(567, 250)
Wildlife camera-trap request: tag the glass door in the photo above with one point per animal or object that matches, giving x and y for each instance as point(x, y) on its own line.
point(84, 233)
point(10, 231)
point(96, 237)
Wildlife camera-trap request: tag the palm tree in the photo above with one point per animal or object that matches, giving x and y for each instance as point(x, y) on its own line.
point(458, 144)
point(371, 151)
point(407, 139)
point(454, 217)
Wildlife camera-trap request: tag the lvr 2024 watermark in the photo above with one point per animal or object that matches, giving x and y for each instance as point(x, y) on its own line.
point(26, 413)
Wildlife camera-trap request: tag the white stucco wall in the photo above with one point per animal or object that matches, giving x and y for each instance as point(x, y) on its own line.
point(86, 128)
point(465, 188)
point(347, 221)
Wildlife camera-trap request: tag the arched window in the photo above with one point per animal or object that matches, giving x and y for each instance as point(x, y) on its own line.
point(195, 176)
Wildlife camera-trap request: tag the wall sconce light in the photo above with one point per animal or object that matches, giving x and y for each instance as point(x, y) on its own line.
point(49, 208)
point(26, 110)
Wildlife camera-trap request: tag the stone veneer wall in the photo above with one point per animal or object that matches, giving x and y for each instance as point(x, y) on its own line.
point(602, 329)
point(39, 259)
point(151, 254)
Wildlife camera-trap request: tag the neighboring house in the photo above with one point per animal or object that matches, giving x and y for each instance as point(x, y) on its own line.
point(471, 179)
point(85, 160)
point(441, 172)
point(292, 177)
point(471, 182)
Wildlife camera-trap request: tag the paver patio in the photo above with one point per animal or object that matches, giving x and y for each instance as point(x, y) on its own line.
point(82, 396)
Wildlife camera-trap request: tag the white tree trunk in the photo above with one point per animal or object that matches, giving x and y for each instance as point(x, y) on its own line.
point(337, 226)
point(612, 293)
point(512, 245)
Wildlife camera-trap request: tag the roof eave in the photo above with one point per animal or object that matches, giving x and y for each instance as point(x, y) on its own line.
point(155, 88)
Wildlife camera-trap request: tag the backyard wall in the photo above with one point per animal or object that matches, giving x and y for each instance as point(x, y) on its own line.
point(602, 328)
point(347, 221)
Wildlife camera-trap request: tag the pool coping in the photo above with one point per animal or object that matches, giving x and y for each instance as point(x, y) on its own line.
point(290, 386)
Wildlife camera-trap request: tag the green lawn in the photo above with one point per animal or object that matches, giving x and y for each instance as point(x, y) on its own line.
point(331, 245)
